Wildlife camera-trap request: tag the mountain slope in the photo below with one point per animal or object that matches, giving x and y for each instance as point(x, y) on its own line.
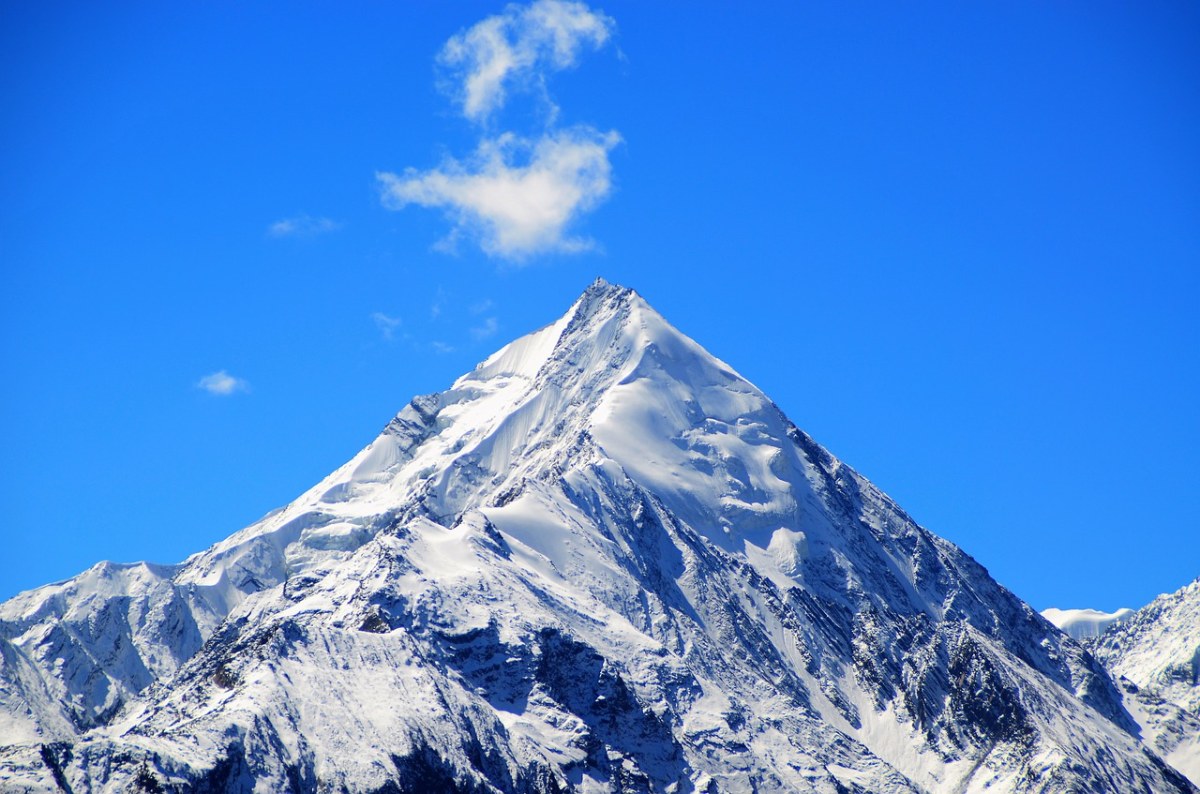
point(601, 561)
point(1155, 653)
point(1158, 647)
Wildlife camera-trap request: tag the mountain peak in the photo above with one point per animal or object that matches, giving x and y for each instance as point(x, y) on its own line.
point(601, 283)
point(599, 296)
point(600, 561)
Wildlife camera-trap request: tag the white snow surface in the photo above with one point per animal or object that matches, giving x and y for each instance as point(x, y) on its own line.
point(1158, 647)
point(601, 561)
point(1083, 624)
point(1155, 653)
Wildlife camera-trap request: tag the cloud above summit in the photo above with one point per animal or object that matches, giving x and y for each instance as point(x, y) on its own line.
point(517, 49)
point(516, 195)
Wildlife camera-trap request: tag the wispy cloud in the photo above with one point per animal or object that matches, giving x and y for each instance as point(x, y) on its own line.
point(482, 306)
point(439, 303)
point(222, 384)
point(487, 328)
point(515, 196)
point(386, 324)
point(442, 347)
point(517, 49)
point(302, 226)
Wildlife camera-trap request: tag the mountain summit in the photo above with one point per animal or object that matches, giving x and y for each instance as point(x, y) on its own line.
point(600, 561)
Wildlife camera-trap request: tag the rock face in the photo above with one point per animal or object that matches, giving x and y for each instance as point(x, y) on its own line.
point(601, 561)
point(1155, 656)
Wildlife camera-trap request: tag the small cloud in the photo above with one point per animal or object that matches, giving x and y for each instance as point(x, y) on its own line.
point(222, 383)
point(486, 329)
point(302, 226)
point(386, 324)
point(439, 303)
point(442, 347)
point(516, 196)
point(482, 306)
point(448, 245)
point(518, 48)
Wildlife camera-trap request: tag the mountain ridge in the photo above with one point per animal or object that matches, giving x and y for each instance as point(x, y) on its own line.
point(602, 560)
point(1154, 655)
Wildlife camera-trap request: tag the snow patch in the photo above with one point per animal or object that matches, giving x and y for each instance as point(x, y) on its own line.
point(1082, 624)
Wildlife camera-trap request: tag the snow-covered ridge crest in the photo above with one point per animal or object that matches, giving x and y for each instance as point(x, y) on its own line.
point(600, 561)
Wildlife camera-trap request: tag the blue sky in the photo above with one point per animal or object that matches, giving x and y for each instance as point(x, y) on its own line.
point(959, 244)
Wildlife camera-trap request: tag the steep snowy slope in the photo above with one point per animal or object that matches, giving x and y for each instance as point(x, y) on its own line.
point(601, 561)
point(1156, 653)
point(1159, 647)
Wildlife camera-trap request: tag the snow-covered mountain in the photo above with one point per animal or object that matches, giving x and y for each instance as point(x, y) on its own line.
point(1155, 655)
point(1158, 647)
point(1084, 624)
point(601, 561)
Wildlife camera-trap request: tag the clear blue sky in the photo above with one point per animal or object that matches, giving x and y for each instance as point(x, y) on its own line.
point(958, 243)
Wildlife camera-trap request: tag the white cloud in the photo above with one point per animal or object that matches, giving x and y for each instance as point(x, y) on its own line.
point(518, 48)
point(302, 226)
point(386, 324)
point(486, 329)
point(442, 347)
point(222, 383)
point(482, 306)
point(516, 196)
